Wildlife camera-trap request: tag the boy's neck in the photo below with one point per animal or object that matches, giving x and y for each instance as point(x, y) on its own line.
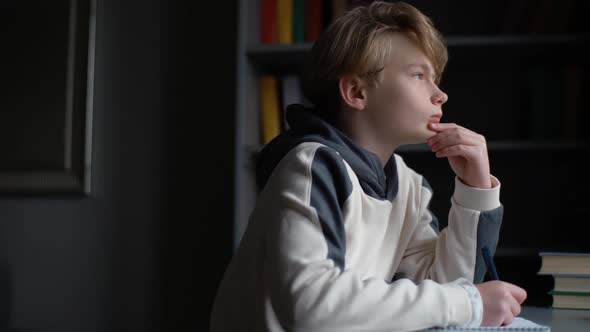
point(359, 131)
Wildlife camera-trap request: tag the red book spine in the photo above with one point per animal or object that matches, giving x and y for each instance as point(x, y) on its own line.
point(268, 22)
point(313, 23)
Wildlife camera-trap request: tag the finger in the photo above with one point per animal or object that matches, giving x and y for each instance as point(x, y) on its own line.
point(508, 320)
point(457, 150)
point(514, 307)
point(519, 294)
point(450, 138)
point(457, 132)
point(512, 311)
point(442, 126)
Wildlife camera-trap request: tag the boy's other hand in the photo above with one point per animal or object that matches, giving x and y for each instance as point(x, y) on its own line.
point(501, 302)
point(466, 151)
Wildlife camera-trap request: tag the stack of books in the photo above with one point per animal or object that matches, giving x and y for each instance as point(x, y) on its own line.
point(571, 274)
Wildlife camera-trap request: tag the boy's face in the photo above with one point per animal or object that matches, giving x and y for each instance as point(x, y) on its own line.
point(406, 99)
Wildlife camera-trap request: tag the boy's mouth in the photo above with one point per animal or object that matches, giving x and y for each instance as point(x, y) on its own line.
point(435, 118)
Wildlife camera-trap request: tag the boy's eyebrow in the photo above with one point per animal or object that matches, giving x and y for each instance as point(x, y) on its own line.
point(420, 64)
point(426, 66)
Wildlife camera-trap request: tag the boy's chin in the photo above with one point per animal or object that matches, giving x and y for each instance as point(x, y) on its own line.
point(421, 136)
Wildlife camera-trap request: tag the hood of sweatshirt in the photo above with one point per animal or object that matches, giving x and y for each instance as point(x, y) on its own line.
point(304, 126)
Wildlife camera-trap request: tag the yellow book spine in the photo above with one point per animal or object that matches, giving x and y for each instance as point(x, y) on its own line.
point(269, 108)
point(285, 21)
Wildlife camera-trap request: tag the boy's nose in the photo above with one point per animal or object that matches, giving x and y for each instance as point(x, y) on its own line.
point(439, 98)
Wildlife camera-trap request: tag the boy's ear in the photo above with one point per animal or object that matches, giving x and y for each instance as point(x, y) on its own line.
point(353, 91)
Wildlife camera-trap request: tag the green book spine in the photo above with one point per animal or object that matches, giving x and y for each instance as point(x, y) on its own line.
point(555, 292)
point(298, 21)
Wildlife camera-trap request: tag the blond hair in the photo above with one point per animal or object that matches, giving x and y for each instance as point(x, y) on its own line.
point(359, 43)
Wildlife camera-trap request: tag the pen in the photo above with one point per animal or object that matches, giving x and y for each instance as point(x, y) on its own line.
point(489, 261)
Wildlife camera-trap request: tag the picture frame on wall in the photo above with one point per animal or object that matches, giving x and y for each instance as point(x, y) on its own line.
point(46, 96)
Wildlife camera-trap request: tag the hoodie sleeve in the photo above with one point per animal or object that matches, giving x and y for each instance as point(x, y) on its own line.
point(310, 288)
point(474, 221)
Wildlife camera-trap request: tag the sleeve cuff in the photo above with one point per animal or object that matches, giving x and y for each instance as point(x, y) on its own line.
point(476, 302)
point(477, 198)
point(459, 304)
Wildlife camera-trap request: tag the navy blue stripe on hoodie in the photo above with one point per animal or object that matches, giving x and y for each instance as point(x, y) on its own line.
point(304, 126)
point(330, 187)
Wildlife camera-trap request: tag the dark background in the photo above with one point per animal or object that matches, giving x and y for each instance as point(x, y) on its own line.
point(145, 249)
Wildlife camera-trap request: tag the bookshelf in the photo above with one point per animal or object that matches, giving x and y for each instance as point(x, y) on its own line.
point(517, 73)
point(286, 58)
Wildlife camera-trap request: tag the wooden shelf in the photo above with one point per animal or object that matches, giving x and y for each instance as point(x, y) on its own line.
point(517, 145)
point(494, 146)
point(519, 40)
point(277, 57)
point(290, 57)
point(516, 252)
point(533, 252)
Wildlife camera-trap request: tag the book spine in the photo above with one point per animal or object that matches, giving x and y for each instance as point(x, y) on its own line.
point(313, 19)
point(269, 108)
point(285, 21)
point(571, 102)
point(268, 21)
point(298, 21)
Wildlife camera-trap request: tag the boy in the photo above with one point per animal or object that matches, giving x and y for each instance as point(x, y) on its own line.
point(341, 238)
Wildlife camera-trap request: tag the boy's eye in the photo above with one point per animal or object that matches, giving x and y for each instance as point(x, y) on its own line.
point(420, 76)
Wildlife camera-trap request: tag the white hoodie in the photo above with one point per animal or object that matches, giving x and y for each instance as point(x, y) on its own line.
point(337, 243)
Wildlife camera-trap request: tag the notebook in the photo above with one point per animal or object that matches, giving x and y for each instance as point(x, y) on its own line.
point(518, 324)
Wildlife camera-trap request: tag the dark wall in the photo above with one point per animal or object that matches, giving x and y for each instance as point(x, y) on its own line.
point(201, 55)
point(127, 256)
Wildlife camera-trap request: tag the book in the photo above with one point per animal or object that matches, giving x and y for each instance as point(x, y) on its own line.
point(518, 324)
point(270, 112)
point(313, 19)
point(572, 283)
point(571, 289)
point(564, 263)
point(572, 100)
point(538, 108)
point(291, 94)
point(545, 86)
point(268, 21)
point(541, 16)
point(514, 17)
point(298, 21)
point(285, 21)
point(571, 300)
